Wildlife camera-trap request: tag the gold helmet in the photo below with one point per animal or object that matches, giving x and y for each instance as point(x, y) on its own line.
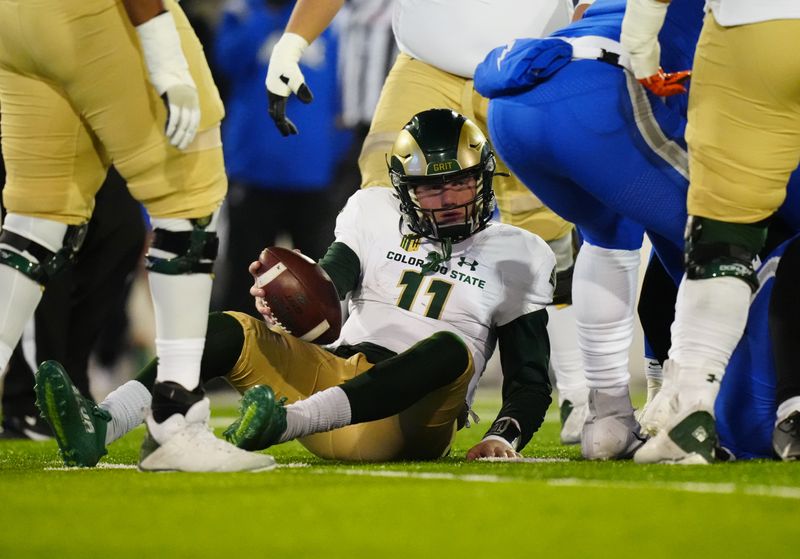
point(441, 146)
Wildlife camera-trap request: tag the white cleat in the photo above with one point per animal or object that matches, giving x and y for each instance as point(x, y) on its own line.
point(682, 418)
point(690, 437)
point(611, 432)
point(187, 444)
point(573, 418)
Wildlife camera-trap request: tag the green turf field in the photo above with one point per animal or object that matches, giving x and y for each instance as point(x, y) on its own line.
point(555, 505)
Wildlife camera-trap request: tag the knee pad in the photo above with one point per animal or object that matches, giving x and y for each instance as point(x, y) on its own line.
point(185, 246)
point(31, 257)
point(718, 249)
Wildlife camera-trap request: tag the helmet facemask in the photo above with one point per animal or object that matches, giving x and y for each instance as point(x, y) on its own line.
point(436, 148)
point(455, 222)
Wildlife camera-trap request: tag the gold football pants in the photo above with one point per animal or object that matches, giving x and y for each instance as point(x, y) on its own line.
point(744, 119)
point(296, 369)
point(75, 98)
point(413, 86)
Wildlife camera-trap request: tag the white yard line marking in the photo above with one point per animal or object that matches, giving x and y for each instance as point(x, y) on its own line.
point(686, 486)
point(783, 492)
point(291, 465)
point(111, 466)
point(523, 459)
point(482, 478)
point(777, 491)
point(100, 466)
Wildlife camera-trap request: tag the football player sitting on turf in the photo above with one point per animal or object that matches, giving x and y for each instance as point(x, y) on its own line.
point(434, 287)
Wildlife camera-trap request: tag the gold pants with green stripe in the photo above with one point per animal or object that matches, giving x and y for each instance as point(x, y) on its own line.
point(296, 369)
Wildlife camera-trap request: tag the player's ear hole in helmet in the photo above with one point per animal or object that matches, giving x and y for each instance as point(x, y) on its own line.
point(441, 150)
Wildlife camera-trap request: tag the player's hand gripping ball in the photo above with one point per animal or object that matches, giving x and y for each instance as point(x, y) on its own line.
point(297, 294)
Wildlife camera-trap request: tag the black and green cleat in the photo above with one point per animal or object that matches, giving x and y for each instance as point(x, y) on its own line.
point(261, 422)
point(79, 425)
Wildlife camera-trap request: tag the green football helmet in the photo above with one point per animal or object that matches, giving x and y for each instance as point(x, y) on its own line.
point(439, 146)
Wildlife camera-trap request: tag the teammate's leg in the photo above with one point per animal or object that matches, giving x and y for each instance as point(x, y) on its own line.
point(48, 152)
point(75, 305)
point(182, 192)
point(734, 190)
point(605, 295)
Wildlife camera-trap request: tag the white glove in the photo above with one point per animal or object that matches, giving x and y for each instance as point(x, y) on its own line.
point(284, 78)
point(169, 73)
point(640, 28)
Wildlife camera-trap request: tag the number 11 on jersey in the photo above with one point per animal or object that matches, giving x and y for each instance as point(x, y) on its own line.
point(438, 290)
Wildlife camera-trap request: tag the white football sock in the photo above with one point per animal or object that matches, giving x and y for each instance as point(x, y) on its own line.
point(181, 305)
point(20, 295)
point(179, 360)
point(604, 296)
point(710, 316)
point(128, 406)
point(320, 412)
point(565, 356)
point(654, 374)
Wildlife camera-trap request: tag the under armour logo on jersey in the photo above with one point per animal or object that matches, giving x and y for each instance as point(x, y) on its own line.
point(711, 378)
point(462, 261)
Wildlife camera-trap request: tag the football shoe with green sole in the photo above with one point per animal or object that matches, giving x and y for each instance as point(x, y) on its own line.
point(261, 422)
point(79, 425)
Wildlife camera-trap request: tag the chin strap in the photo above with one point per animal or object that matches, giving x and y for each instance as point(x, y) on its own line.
point(434, 258)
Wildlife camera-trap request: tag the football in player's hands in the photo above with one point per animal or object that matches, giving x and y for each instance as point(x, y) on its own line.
point(300, 295)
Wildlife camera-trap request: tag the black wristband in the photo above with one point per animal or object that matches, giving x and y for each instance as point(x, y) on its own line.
point(507, 429)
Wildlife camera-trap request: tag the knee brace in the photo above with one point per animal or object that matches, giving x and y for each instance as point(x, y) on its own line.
point(192, 252)
point(45, 263)
point(717, 249)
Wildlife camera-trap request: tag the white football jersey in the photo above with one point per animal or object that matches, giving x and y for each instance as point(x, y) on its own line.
point(492, 278)
point(740, 12)
point(456, 35)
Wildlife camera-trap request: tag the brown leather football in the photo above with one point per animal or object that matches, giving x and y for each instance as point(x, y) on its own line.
point(301, 295)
